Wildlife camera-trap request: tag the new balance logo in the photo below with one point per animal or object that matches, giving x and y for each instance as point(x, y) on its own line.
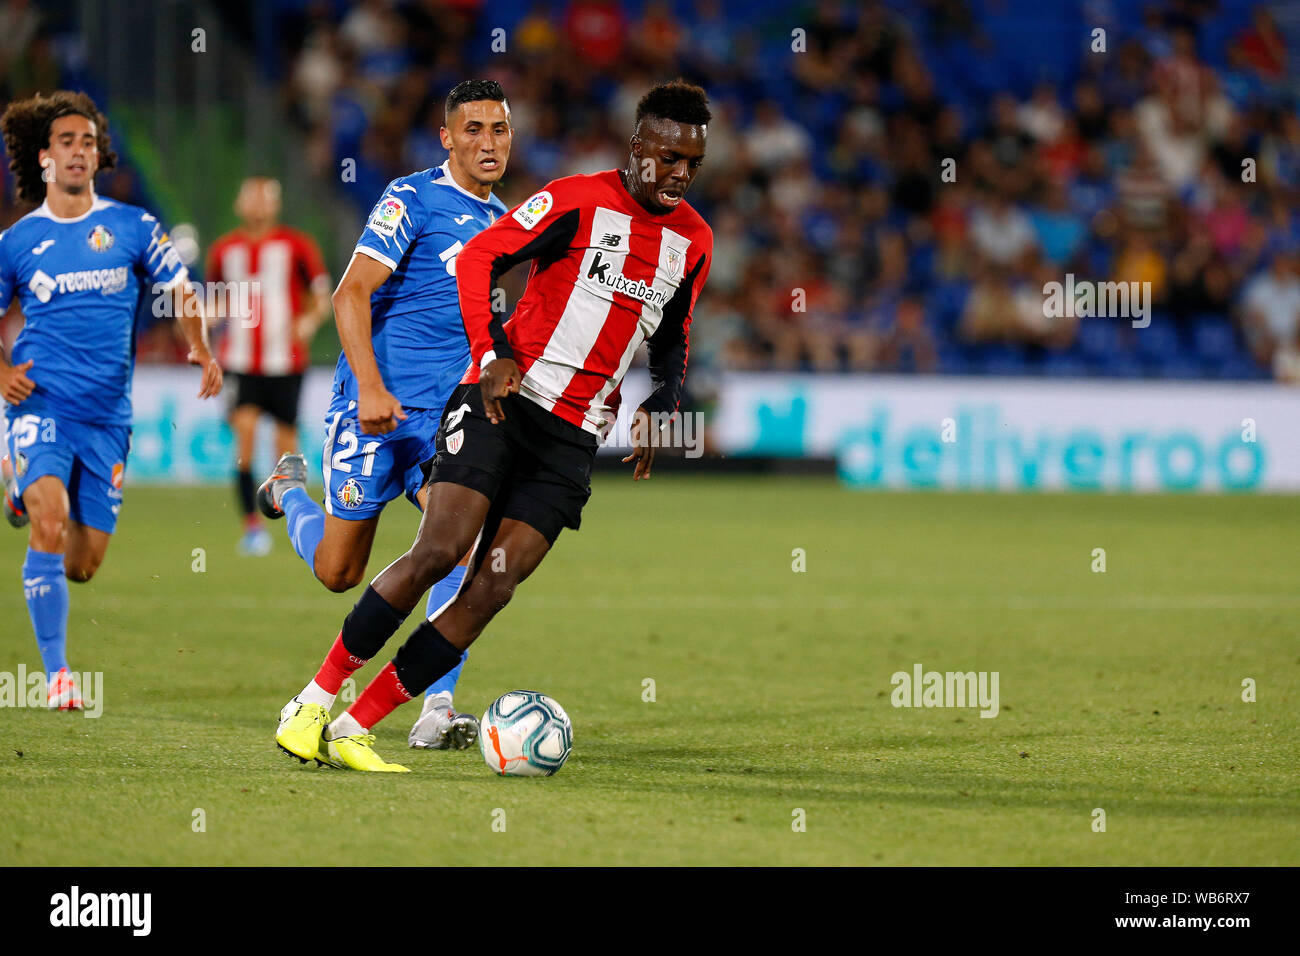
point(611, 240)
point(42, 247)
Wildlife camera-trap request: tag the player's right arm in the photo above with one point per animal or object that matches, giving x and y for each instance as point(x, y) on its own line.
point(15, 386)
point(541, 227)
point(394, 223)
point(378, 410)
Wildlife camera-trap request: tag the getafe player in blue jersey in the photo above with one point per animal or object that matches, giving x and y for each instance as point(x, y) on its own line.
point(405, 350)
point(78, 264)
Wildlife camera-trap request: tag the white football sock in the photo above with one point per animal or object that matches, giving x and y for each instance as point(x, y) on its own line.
point(314, 693)
point(345, 725)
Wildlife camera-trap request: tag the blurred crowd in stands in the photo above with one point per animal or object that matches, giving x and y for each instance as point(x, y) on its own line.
point(890, 185)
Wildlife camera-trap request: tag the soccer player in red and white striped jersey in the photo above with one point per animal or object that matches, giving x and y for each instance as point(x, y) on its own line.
point(279, 295)
point(618, 258)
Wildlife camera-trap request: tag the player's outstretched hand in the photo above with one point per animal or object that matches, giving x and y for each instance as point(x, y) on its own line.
point(212, 377)
point(378, 411)
point(499, 379)
point(15, 386)
point(643, 451)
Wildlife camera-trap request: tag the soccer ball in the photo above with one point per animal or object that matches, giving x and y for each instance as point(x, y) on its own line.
point(525, 734)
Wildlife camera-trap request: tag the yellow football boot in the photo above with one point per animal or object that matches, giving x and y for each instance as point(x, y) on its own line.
point(357, 752)
point(301, 726)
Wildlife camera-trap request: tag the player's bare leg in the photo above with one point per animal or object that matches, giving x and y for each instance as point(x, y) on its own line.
point(515, 552)
point(86, 549)
point(453, 515)
point(344, 551)
point(256, 540)
point(286, 438)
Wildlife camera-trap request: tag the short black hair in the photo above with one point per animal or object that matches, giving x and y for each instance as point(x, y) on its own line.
point(470, 91)
point(678, 101)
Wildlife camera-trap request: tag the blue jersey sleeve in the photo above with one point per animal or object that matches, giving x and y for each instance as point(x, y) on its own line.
point(393, 225)
point(158, 259)
point(8, 278)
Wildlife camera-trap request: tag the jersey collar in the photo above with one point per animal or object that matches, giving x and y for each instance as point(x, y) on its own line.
point(449, 180)
point(45, 212)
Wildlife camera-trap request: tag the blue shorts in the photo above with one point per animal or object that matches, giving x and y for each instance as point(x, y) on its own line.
point(89, 459)
point(364, 472)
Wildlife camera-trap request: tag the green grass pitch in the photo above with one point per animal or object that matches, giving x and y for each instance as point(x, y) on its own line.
point(1119, 690)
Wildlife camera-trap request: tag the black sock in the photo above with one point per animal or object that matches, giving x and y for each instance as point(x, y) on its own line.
point(244, 482)
point(370, 624)
point(424, 658)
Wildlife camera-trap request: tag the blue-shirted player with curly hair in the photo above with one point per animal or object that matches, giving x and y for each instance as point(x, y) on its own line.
point(78, 265)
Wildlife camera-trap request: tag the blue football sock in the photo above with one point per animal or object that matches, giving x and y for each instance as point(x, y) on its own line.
point(306, 523)
point(46, 590)
point(440, 594)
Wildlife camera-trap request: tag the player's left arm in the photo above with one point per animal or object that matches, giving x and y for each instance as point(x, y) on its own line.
point(316, 297)
point(669, 348)
point(159, 260)
point(15, 386)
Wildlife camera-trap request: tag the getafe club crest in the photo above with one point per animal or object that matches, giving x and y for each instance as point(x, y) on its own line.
point(350, 494)
point(100, 239)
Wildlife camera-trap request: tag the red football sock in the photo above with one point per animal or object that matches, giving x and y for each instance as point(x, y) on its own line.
point(382, 696)
point(337, 667)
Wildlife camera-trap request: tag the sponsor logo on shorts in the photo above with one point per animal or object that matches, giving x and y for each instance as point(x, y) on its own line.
point(119, 473)
point(100, 239)
point(534, 208)
point(455, 441)
point(350, 494)
point(20, 465)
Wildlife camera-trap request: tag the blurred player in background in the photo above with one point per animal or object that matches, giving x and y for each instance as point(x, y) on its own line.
point(404, 351)
point(280, 284)
point(619, 258)
point(79, 265)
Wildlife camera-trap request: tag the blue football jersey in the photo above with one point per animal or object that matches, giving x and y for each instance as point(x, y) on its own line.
point(417, 229)
point(79, 282)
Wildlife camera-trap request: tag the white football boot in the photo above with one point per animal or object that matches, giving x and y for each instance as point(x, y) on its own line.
point(441, 728)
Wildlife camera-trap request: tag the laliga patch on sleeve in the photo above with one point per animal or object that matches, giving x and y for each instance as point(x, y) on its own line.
point(387, 216)
point(530, 213)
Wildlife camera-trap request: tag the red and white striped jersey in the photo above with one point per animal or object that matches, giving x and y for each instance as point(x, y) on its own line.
point(606, 276)
point(271, 276)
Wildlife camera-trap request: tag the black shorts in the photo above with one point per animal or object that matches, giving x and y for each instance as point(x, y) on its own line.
point(277, 395)
point(534, 466)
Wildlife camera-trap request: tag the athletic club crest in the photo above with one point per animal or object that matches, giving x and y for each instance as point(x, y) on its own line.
point(455, 441)
point(350, 494)
point(100, 239)
point(674, 263)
